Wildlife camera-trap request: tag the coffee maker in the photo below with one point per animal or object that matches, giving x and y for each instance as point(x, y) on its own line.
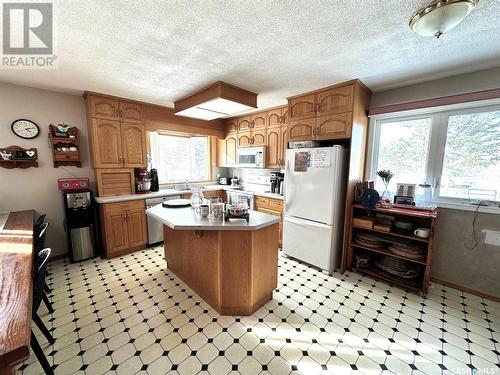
point(276, 182)
point(142, 181)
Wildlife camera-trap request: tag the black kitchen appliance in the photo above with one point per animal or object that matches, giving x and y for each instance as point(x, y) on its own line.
point(155, 184)
point(80, 224)
point(224, 181)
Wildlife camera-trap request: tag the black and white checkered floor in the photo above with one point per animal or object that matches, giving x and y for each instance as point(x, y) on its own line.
point(131, 315)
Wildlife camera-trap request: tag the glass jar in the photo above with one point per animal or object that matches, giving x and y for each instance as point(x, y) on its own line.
point(196, 197)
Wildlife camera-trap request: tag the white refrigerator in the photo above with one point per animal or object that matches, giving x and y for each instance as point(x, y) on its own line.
point(315, 182)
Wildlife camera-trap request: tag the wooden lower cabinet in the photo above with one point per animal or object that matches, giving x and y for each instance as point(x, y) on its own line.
point(273, 207)
point(123, 227)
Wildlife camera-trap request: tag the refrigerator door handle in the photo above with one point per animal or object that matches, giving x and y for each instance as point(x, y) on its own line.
point(310, 223)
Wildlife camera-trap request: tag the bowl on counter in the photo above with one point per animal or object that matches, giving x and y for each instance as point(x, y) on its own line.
point(239, 209)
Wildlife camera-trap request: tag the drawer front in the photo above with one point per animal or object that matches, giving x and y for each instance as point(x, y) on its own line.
point(66, 156)
point(276, 204)
point(261, 202)
point(124, 206)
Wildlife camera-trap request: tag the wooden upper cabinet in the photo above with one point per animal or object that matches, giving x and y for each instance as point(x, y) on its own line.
point(273, 153)
point(137, 230)
point(116, 229)
point(131, 112)
point(336, 100)
point(301, 130)
point(221, 152)
point(104, 108)
point(133, 145)
point(231, 125)
point(334, 127)
point(259, 120)
point(244, 123)
point(259, 137)
point(244, 139)
point(106, 143)
point(283, 144)
point(302, 107)
point(231, 147)
point(284, 116)
point(274, 117)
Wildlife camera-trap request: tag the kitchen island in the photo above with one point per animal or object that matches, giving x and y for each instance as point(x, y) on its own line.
point(233, 266)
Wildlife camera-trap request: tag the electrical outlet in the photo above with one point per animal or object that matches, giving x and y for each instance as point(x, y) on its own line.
point(492, 237)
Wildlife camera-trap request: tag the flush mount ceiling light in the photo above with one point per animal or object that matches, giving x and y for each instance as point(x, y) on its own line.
point(440, 16)
point(215, 101)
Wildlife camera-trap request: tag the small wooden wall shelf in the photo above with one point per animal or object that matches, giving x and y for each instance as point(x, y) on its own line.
point(418, 219)
point(19, 157)
point(60, 145)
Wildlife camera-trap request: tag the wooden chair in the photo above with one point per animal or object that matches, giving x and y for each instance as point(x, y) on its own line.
point(39, 246)
point(40, 268)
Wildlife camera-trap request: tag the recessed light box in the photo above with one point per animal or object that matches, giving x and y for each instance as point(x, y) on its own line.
point(216, 101)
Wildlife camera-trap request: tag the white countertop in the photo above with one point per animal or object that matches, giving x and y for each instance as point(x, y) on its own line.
point(170, 192)
point(186, 219)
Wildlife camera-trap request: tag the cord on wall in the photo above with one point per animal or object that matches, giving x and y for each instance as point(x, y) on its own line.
point(473, 242)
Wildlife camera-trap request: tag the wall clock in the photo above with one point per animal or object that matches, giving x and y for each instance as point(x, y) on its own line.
point(26, 129)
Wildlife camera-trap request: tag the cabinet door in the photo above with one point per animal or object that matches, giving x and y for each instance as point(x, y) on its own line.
point(337, 100)
point(244, 139)
point(274, 117)
point(104, 108)
point(116, 229)
point(259, 120)
point(231, 125)
point(221, 152)
point(302, 107)
point(301, 130)
point(283, 144)
point(106, 144)
point(133, 145)
point(132, 112)
point(137, 229)
point(284, 116)
point(273, 154)
point(334, 126)
point(244, 123)
point(231, 146)
point(259, 137)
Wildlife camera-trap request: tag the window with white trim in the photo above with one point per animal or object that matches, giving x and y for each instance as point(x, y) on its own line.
point(179, 158)
point(457, 152)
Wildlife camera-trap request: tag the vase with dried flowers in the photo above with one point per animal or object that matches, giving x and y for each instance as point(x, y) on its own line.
point(385, 175)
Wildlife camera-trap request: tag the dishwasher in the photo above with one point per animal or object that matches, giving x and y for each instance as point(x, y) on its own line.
point(155, 227)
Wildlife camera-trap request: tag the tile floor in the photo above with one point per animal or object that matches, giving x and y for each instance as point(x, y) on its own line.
point(131, 315)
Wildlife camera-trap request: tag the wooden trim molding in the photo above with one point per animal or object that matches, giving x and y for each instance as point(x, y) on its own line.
point(437, 102)
point(467, 290)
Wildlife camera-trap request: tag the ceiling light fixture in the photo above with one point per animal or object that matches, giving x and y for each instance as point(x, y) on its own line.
point(218, 100)
point(440, 16)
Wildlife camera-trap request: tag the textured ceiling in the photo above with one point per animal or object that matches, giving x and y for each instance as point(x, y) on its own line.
point(159, 51)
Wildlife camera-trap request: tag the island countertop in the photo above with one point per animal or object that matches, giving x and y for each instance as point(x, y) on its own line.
point(186, 218)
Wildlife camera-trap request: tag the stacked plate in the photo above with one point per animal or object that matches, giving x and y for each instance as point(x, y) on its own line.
point(413, 251)
point(369, 241)
point(398, 267)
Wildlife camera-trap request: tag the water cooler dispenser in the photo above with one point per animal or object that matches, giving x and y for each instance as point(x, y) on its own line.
point(80, 223)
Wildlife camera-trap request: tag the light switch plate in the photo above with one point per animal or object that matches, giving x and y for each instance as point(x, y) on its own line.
point(492, 237)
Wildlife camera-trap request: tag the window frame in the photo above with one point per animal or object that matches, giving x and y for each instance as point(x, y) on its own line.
point(437, 140)
point(174, 134)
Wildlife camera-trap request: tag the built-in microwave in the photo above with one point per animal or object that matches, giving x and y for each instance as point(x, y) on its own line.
point(252, 157)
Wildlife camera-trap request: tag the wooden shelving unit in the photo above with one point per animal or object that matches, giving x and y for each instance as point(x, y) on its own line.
point(16, 161)
point(65, 158)
point(419, 219)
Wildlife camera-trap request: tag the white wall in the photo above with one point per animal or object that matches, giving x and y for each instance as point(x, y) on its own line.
point(36, 188)
point(459, 84)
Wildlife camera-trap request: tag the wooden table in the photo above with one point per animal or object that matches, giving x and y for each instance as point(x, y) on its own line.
point(16, 251)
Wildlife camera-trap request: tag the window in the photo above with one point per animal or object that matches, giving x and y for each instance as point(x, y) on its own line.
point(180, 158)
point(471, 164)
point(457, 152)
point(403, 149)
